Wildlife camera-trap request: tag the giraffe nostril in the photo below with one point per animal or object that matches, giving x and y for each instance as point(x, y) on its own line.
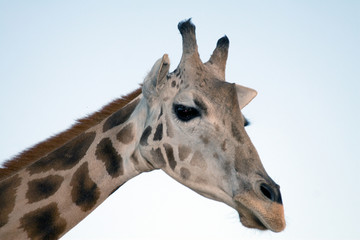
point(267, 192)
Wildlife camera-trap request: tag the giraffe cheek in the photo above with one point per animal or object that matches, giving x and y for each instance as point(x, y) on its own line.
point(170, 155)
point(198, 161)
point(184, 152)
point(236, 133)
point(185, 173)
point(169, 128)
point(158, 133)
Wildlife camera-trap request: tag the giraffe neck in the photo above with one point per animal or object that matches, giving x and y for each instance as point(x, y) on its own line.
point(50, 196)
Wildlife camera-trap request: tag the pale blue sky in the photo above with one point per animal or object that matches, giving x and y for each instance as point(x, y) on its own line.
point(60, 60)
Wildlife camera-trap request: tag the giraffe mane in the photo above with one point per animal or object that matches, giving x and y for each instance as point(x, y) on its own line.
point(39, 150)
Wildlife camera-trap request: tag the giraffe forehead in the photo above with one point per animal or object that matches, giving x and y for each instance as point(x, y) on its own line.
point(222, 95)
point(219, 93)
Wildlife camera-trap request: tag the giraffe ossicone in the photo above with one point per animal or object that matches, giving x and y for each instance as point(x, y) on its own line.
point(187, 123)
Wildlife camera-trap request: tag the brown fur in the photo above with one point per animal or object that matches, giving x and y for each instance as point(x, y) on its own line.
point(41, 149)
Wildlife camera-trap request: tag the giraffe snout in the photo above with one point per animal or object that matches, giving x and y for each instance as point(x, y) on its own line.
point(261, 207)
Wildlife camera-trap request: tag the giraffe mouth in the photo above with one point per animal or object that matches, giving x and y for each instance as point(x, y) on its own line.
point(249, 220)
point(260, 214)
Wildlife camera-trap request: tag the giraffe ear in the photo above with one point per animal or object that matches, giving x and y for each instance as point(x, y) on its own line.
point(156, 78)
point(244, 95)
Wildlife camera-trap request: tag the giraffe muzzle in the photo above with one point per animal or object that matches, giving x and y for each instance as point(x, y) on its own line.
point(261, 208)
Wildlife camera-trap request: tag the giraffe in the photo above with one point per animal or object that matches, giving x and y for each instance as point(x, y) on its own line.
point(187, 123)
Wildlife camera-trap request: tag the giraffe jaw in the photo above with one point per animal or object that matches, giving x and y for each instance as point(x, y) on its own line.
point(260, 214)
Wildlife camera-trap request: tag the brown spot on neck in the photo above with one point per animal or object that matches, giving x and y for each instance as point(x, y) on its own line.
point(44, 223)
point(7, 197)
point(112, 160)
point(65, 157)
point(84, 192)
point(126, 134)
point(120, 116)
point(42, 188)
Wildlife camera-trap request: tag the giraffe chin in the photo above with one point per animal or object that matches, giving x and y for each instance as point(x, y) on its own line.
point(260, 214)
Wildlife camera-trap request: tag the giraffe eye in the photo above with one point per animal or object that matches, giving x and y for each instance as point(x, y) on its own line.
point(185, 113)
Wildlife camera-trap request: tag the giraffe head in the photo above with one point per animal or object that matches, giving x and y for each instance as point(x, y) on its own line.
point(195, 132)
